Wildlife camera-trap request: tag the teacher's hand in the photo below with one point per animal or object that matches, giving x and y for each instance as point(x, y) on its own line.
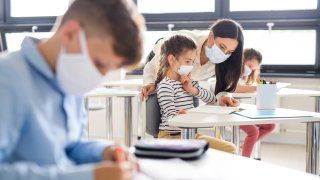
point(146, 90)
point(228, 101)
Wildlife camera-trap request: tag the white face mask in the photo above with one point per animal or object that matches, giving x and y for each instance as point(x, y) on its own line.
point(76, 72)
point(185, 69)
point(216, 55)
point(246, 70)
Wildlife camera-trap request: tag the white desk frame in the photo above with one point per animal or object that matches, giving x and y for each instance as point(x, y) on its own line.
point(313, 129)
point(108, 94)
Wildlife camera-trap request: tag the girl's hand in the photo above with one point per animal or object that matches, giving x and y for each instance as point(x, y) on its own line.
point(228, 101)
point(187, 85)
point(182, 111)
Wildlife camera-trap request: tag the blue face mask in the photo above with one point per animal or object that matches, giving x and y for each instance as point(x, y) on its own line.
point(216, 55)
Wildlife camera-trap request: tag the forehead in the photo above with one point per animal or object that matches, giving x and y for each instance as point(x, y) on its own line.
point(230, 43)
point(253, 63)
point(189, 54)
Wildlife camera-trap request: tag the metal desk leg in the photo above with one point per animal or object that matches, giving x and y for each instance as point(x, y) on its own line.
point(128, 120)
point(109, 118)
point(257, 150)
point(188, 133)
point(235, 137)
point(313, 147)
point(313, 130)
point(139, 120)
point(220, 132)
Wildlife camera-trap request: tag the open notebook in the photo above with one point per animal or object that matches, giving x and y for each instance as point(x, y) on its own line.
point(277, 113)
point(213, 109)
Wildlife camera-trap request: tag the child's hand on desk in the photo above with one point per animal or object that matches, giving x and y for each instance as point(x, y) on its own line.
point(182, 111)
point(228, 101)
point(187, 85)
point(118, 164)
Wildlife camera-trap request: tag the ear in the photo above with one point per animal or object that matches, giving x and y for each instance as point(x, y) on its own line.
point(67, 31)
point(171, 59)
point(210, 41)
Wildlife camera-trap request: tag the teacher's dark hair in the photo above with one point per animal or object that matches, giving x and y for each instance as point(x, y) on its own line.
point(228, 72)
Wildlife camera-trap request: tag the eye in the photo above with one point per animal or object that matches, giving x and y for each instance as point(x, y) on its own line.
point(222, 47)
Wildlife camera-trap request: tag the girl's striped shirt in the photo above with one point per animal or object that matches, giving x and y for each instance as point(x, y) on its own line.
point(172, 97)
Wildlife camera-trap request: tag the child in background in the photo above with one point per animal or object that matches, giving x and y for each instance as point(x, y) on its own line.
point(250, 71)
point(175, 89)
point(251, 66)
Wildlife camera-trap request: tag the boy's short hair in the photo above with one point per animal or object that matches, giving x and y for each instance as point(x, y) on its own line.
point(118, 19)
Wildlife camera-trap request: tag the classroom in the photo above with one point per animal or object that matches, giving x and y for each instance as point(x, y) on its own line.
point(159, 89)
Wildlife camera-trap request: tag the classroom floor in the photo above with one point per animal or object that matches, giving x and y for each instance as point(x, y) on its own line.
point(287, 155)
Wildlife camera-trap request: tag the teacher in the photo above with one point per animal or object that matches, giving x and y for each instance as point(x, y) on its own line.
point(219, 54)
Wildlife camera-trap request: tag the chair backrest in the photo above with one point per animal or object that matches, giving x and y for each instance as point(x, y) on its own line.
point(153, 114)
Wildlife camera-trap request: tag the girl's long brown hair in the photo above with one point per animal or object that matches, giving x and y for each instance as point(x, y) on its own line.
point(250, 54)
point(175, 46)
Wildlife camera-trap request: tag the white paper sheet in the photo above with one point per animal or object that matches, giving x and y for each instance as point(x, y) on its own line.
point(213, 109)
point(169, 169)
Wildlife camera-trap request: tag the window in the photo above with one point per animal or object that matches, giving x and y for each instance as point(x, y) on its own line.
point(164, 11)
point(14, 40)
point(175, 6)
point(291, 45)
point(272, 5)
point(37, 8)
point(150, 38)
point(283, 47)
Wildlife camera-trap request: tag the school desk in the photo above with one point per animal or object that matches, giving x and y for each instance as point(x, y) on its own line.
point(190, 122)
point(128, 95)
point(217, 165)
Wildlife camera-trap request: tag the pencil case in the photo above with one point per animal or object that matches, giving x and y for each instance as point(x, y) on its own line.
point(171, 148)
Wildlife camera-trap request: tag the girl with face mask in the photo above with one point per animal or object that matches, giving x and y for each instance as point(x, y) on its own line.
point(219, 54)
point(175, 89)
point(250, 71)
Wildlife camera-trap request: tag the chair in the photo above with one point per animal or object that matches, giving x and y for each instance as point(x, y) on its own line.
point(153, 114)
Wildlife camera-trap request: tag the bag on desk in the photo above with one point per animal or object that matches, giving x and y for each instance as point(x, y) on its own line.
point(171, 148)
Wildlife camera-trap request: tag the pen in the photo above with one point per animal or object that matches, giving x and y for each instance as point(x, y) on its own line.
point(273, 82)
point(264, 82)
point(119, 154)
point(258, 81)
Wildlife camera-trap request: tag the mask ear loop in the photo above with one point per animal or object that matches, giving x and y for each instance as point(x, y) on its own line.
point(84, 50)
point(83, 42)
